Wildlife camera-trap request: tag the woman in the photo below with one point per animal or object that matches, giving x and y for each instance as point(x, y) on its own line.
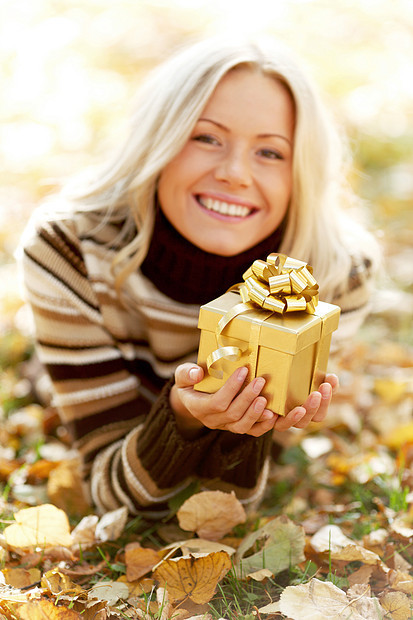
point(230, 156)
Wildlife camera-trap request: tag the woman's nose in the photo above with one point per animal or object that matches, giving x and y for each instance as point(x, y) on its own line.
point(234, 169)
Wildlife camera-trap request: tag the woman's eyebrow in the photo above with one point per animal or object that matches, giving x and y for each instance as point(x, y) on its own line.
point(261, 135)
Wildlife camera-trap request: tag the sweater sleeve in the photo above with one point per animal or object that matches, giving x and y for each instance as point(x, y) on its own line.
point(354, 300)
point(132, 452)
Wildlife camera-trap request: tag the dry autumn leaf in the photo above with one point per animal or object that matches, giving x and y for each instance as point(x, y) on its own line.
point(58, 583)
point(139, 560)
point(192, 577)
point(39, 526)
point(397, 604)
point(318, 600)
point(21, 577)
point(283, 546)
point(109, 591)
point(45, 610)
point(211, 514)
point(330, 539)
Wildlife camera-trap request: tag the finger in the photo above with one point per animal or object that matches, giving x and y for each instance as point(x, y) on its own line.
point(333, 380)
point(245, 399)
point(326, 392)
point(222, 399)
point(311, 405)
point(246, 420)
point(283, 423)
point(186, 375)
point(262, 426)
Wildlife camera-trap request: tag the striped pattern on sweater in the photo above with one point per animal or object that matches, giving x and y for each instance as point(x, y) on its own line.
point(111, 363)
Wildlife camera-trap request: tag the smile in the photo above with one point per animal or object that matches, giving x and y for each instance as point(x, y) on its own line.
point(224, 208)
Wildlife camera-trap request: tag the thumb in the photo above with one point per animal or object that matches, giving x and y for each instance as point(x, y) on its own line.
point(187, 375)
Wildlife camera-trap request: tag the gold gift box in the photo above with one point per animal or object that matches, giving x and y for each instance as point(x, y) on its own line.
point(291, 355)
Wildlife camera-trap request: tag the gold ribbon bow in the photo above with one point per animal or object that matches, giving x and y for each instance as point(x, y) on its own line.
point(279, 284)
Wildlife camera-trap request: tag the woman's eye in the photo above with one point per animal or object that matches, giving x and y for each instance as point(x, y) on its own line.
point(206, 138)
point(270, 154)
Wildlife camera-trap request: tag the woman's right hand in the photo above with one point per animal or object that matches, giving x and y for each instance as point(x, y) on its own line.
point(232, 408)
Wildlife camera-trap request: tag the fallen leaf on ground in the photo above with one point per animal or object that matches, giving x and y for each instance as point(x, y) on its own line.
point(139, 560)
point(397, 604)
point(192, 577)
point(57, 582)
point(21, 577)
point(39, 526)
point(330, 539)
point(109, 591)
point(111, 525)
point(211, 514)
point(200, 545)
point(283, 546)
point(65, 488)
point(40, 610)
point(318, 600)
point(260, 575)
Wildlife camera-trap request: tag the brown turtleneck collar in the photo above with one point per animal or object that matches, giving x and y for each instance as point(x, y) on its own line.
point(190, 275)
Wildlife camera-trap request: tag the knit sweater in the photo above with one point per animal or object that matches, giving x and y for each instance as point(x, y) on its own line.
point(111, 361)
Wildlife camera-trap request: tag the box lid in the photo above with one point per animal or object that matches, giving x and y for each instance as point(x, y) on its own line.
point(288, 333)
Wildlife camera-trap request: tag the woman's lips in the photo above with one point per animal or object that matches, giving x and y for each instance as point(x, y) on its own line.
point(224, 208)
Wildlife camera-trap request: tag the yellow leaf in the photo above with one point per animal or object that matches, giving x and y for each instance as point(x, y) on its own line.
point(193, 578)
point(211, 514)
point(45, 610)
point(56, 582)
point(399, 436)
point(390, 390)
point(397, 604)
point(20, 577)
point(139, 560)
point(40, 526)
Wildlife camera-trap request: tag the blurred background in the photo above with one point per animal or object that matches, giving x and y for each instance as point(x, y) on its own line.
point(70, 69)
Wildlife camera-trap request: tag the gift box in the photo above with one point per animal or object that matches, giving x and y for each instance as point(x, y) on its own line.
point(278, 329)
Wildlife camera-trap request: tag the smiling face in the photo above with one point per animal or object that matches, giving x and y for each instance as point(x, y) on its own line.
point(230, 186)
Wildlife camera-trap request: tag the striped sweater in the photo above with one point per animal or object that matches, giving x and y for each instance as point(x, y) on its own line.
point(111, 363)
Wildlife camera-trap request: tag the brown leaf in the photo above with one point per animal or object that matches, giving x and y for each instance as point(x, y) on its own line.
point(362, 575)
point(57, 583)
point(139, 560)
point(20, 577)
point(45, 610)
point(193, 578)
point(402, 582)
point(211, 514)
point(397, 604)
point(65, 488)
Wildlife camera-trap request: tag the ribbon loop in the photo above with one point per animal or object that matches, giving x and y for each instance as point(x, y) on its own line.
point(280, 284)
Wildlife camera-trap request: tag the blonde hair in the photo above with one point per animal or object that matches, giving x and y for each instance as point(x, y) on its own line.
point(318, 230)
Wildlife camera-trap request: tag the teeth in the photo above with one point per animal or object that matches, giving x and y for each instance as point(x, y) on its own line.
point(224, 208)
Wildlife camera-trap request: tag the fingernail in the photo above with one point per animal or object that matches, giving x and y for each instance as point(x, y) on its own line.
point(194, 374)
point(267, 415)
point(258, 384)
point(315, 399)
point(325, 391)
point(242, 374)
point(300, 414)
point(260, 405)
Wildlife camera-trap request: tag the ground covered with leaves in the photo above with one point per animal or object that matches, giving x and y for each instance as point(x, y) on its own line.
point(333, 537)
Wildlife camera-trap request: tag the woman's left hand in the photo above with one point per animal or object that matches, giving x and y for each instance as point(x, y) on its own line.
point(314, 409)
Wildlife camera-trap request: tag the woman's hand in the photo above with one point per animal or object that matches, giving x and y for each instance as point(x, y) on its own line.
point(314, 409)
point(239, 411)
point(230, 408)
